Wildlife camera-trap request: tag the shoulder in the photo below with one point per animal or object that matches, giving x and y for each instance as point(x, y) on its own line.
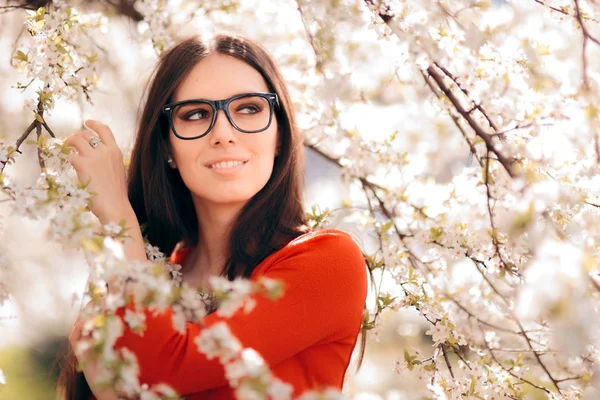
point(324, 250)
point(323, 240)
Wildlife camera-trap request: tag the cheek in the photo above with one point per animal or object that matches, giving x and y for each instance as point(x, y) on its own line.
point(185, 151)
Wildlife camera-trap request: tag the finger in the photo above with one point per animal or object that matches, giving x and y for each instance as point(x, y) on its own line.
point(88, 135)
point(102, 131)
point(75, 160)
point(78, 162)
point(75, 334)
point(80, 143)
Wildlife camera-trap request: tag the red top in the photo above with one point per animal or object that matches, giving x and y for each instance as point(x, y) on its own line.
point(306, 336)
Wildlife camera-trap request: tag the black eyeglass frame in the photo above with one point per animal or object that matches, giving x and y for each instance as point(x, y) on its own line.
point(217, 105)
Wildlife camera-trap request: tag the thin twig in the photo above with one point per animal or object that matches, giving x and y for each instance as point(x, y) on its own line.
point(560, 10)
point(491, 351)
point(311, 39)
point(447, 360)
point(455, 119)
point(48, 129)
point(584, 65)
point(524, 351)
point(20, 141)
point(572, 378)
point(521, 329)
point(552, 7)
point(38, 129)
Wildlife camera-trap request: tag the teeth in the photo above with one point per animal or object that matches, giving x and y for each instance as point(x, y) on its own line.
point(227, 164)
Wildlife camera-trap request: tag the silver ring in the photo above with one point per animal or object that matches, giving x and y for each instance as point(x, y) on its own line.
point(95, 141)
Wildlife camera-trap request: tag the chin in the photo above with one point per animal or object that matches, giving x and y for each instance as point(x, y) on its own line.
point(231, 201)
point(232, 193)
point(232, 198)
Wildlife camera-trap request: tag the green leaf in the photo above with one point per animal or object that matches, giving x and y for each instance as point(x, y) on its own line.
point(20, 56)
point(46, 96)
point(429, 367)
point(386, 227)
point(385, 301)
point(94, 245)
point(408, 358)
point(482, 4)
point(61, 49)
point(565, 9)
point(523, 220)
point(39, 14)
point(436, 233)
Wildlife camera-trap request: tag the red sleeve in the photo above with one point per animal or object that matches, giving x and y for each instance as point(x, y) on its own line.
point(326, 285)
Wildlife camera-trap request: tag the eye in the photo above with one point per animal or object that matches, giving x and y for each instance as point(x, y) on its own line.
point(196, 115)
point(249, 109)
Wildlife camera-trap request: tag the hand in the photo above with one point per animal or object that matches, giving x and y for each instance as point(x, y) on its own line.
point(90, 369)
point(103, 168)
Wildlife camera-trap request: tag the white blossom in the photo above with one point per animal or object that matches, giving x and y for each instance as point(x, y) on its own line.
point(218, 342)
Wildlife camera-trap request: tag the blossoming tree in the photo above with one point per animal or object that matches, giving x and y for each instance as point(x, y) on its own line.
point(476, 188)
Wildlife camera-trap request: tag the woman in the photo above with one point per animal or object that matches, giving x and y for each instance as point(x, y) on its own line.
point(217, 165)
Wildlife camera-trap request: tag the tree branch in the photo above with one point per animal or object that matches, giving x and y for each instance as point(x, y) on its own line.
point(477, 107)
point(507, 163)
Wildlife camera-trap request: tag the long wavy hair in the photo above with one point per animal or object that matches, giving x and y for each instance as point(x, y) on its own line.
point(162, 202)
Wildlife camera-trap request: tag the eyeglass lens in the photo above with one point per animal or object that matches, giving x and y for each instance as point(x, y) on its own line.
point(249, 114)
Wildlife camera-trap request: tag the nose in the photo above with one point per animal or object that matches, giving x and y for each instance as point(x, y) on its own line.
point(222, 132)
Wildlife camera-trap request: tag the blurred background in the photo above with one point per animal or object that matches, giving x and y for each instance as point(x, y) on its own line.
point(46, 283)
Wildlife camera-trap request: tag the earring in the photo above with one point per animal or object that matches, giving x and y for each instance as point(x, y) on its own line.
point(169, 161)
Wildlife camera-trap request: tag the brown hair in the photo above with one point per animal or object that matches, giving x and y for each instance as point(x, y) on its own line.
point(162, 202)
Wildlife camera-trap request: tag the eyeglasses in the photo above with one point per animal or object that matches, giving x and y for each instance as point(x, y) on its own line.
point(248, 113)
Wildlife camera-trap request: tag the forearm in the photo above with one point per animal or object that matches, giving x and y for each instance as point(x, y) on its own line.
point(107, 394)
point(135, 249)
point(90, 372)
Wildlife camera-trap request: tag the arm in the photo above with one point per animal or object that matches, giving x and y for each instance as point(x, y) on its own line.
point(102, 168)
point(326, 286)
point(135, 249)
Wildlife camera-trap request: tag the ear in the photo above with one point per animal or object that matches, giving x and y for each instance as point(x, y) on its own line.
point(171, 162)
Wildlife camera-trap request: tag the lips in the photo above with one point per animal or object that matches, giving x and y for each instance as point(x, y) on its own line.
point(228, 169)
point(226, 164)
point(227, 160)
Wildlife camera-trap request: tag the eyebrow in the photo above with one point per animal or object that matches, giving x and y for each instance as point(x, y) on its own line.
point(233, 95)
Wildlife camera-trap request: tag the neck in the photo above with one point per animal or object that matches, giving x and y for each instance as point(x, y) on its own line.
point(215, 222)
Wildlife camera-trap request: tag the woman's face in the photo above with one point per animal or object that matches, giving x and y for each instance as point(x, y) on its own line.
point(205, 163)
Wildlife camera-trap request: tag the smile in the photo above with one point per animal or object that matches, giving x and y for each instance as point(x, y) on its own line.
point(228, 168)
point(227, 164)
